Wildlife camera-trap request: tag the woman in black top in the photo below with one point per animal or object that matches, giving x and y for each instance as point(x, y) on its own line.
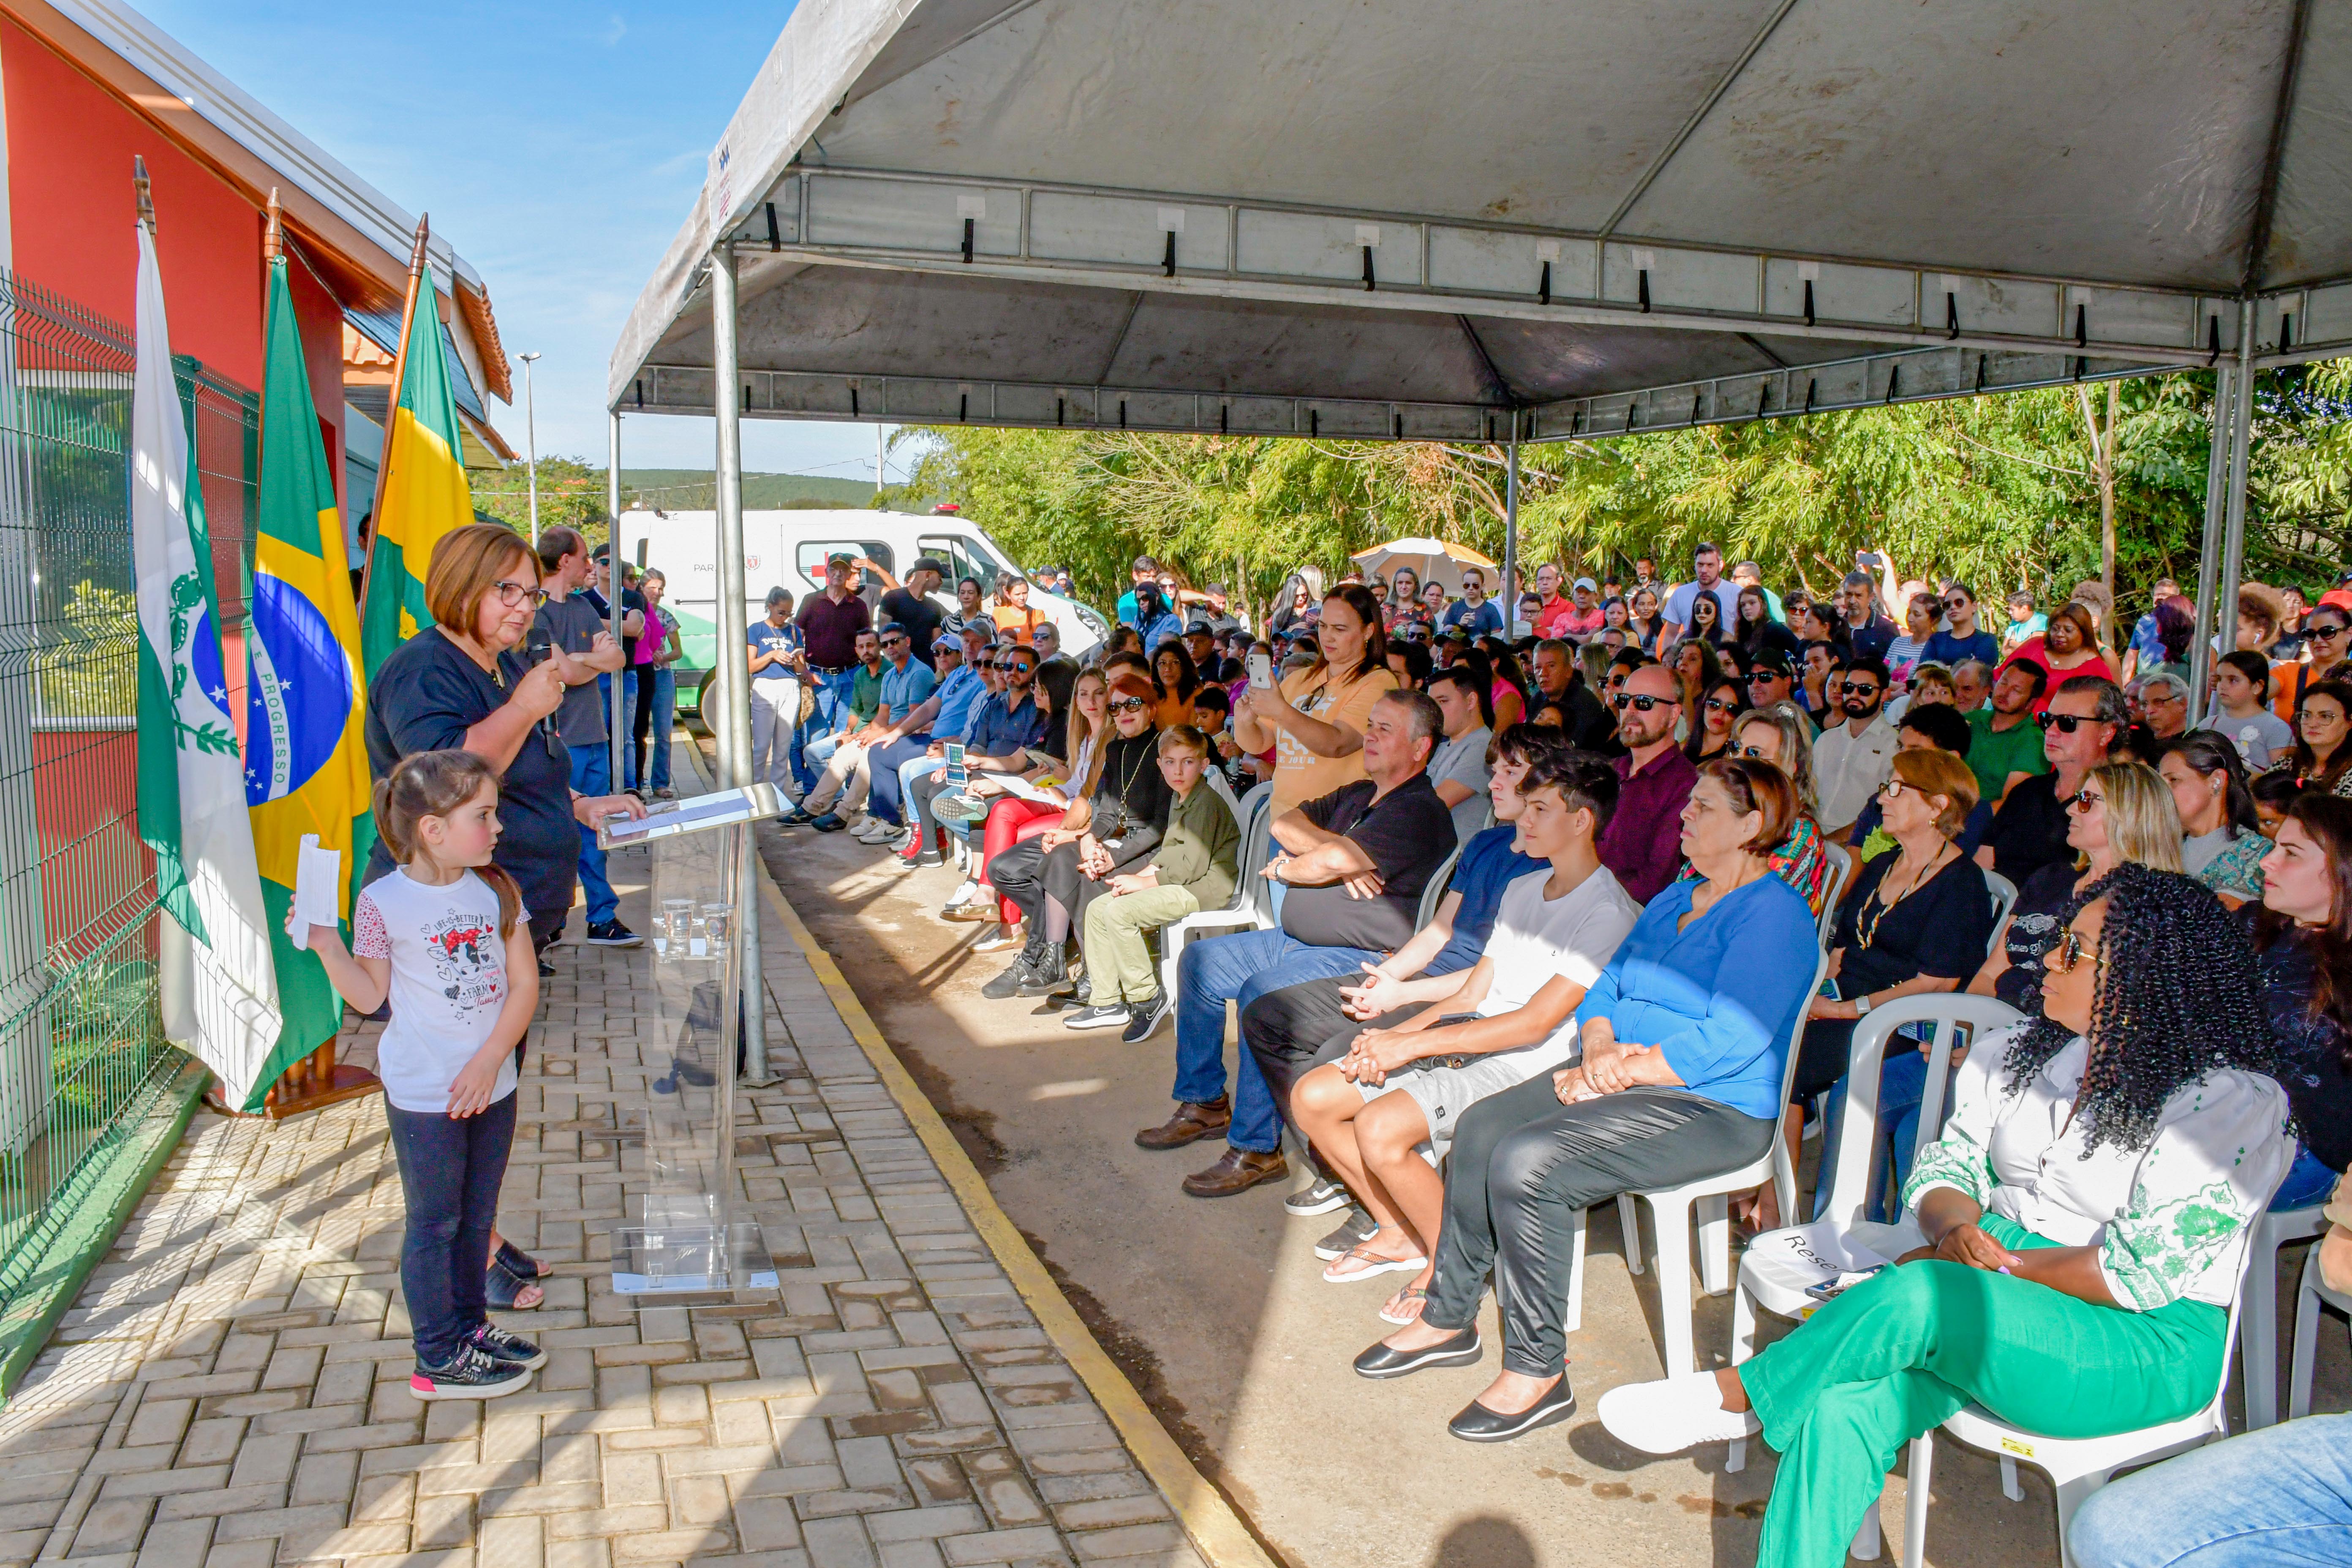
point(1756, 630)
point(2303, 946)
point(1915, 921)
point(461, 685)
point(1055, 876)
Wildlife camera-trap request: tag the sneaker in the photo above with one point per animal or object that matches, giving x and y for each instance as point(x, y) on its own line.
point(512, 1348)
point(1321, 1196)
point(1673, 1413)
point(793, 817)
point(828, 823)
point(1354, 1231)
point(874, 830)
point(923, 860)
point(1014, 981)
point(611, 933)
point(1109, 1016)
point(472, 1374)
point(546, 971)
point(1145, 1018)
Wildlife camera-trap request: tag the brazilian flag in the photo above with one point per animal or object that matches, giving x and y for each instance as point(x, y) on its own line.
point(306, 763)
point(424, 493)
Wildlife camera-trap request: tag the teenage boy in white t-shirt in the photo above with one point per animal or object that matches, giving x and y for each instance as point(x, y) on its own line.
point(1512, 1018)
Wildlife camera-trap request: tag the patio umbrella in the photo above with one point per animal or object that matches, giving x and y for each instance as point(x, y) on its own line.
point(1434, 560)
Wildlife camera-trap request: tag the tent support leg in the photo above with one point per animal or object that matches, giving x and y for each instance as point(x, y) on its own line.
point(616, 721)
point(1511, 530)
point(2208, 553)
point(2234, 535)
point(733, 732)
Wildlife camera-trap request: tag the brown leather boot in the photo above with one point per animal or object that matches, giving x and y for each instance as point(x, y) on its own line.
point(1188, 1125)
point(1237, 1172)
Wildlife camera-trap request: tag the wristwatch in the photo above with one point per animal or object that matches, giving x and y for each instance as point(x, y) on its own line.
point(1862, 1005)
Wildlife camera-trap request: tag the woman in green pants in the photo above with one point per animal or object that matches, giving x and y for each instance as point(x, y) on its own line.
point(2085, 1210)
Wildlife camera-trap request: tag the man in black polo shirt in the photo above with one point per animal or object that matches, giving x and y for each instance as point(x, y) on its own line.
point(829, 623)
point(1352, 866)
point(2080, 732)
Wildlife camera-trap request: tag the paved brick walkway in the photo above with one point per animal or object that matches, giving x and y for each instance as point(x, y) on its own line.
point(231, 1387)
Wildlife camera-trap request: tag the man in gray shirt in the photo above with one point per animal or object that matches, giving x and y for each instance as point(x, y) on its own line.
point(581, 643)
point(1458, 766)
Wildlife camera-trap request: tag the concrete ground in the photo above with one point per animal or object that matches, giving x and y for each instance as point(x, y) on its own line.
point(1217, 1312)
point(231, 1386)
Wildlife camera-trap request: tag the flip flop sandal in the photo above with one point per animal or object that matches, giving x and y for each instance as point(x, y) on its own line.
point(1416, 1294)
point(522, 1264)
point(1373, 1265)
point(500, 1288)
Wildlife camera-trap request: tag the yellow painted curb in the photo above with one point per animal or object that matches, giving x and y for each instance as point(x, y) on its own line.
point(1207, 1518)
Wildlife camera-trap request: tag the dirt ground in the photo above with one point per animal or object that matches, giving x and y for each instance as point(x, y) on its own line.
point(1217, 1311)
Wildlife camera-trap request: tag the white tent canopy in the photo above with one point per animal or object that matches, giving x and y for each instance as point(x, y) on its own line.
point(1462, 217)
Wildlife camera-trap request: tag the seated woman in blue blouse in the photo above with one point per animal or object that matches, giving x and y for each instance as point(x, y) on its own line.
point(1685, 1037)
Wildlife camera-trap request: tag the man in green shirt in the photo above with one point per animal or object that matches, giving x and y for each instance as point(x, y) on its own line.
point(2008, 743)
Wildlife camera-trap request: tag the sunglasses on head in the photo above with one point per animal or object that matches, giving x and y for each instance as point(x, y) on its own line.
point(1128, 705)
point(2064, 723)
point(1641, 704)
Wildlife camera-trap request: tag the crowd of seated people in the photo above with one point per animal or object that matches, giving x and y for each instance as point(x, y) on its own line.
point(1604, 998)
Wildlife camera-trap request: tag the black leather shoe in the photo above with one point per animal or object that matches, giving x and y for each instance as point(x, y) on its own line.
point(1462, 1349)
point(1476, 1424)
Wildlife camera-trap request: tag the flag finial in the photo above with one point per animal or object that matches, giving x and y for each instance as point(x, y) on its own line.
point(273, 238)
point(146, 189)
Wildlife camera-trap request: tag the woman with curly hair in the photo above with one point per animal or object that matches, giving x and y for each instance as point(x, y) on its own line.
point(2085, 1215)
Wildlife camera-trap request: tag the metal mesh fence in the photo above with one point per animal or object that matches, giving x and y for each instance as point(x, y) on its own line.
point(82, 1050)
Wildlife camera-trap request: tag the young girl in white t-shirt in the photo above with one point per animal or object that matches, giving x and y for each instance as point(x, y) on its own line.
point(442, 936)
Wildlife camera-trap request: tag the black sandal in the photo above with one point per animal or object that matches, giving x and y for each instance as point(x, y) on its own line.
point(520, 1264)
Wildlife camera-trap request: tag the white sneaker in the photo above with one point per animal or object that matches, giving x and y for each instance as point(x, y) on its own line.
point(966, 890)
point(1673, 1413)
point(874, 830)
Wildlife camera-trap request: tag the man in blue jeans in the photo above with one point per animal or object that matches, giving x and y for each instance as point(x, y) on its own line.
point(1353, 866)
point(829, 623)
point(572, 631)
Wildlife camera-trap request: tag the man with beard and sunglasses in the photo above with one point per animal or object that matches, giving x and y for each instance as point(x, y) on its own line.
point(1642, 843)
point(2080, 729)
point(1852, 758)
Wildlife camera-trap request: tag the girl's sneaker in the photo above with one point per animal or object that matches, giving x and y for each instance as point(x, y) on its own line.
point(472, 1374)
point(506, 1346)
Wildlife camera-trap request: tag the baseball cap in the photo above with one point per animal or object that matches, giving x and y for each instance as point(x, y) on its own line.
point(927, 563)
point(1771, 659)
point(841, 558)
point(947, 640)
point(1584, 582)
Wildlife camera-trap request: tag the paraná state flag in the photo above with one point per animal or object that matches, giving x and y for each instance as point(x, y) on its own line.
point(219, 990)
point(304, 760)
point(424, 494)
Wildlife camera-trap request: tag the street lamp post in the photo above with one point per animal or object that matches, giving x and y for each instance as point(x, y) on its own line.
point(531, 442)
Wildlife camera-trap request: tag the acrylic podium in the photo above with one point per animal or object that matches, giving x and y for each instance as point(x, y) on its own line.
point(691, 1235)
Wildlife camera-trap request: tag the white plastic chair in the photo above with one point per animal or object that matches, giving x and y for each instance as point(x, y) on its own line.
point(1840, 873)
point(2076, 1466)
point(2004, 899)
point(1434, 894)
point(2309, 1297)
point(1671, 1209)
point(2258, 1342)
point(1851, 1170)
point(1247, 907)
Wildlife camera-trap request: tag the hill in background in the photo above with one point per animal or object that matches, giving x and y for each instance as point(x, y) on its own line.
point(693, 490)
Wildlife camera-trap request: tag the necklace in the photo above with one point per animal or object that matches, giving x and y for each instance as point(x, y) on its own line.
point(1142, 755)
point(1867, 924)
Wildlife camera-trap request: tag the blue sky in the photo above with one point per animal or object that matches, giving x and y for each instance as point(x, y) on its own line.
point(558, 146)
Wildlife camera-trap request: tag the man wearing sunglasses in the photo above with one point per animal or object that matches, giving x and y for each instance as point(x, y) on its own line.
point(906, 685)
point(945, 712)
point(1773, 679)
point(1853, 756)
point(2079, 730)
point(1642, 842)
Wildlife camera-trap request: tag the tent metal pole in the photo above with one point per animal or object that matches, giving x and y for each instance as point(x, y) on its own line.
point(616, 737)
point(2234, 534)
point(1511, 530)
point(733, 732)
point(2209, 552)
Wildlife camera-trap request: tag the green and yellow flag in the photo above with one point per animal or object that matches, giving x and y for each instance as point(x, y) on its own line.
point(424, 494)
point(304, 760)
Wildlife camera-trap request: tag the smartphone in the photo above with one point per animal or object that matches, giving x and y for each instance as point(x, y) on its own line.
point(1261, 672)
point(957, 776)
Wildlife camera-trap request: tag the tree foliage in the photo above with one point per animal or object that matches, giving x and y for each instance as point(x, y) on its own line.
point(1999, 490)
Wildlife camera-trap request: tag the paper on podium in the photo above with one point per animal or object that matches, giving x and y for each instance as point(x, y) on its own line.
point(317, 882)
